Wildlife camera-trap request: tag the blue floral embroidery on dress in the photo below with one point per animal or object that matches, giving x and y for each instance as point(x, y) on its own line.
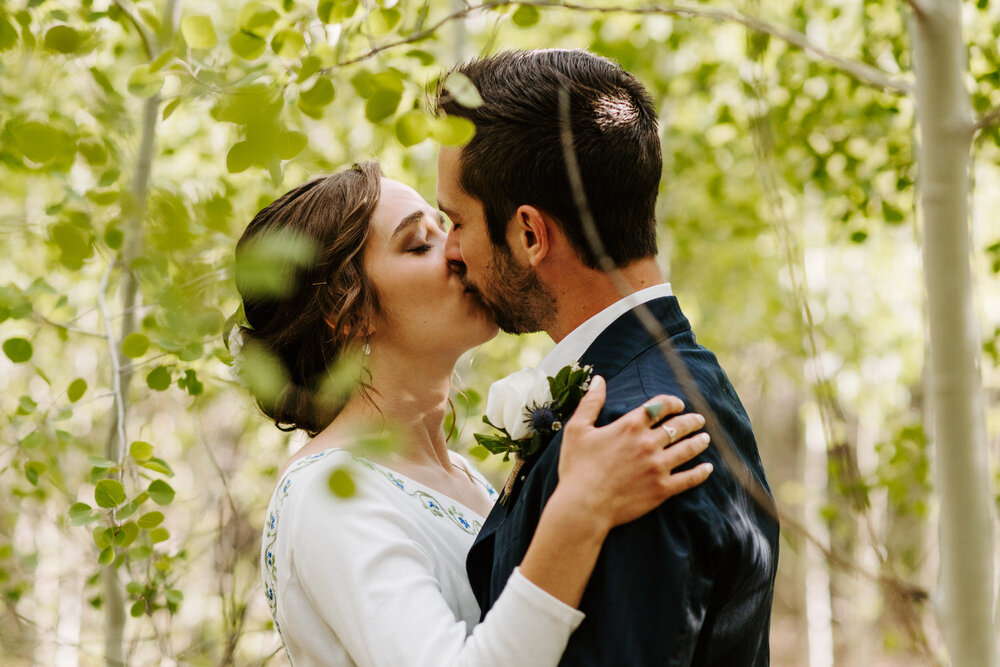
point(429, 502)
point(268, 560)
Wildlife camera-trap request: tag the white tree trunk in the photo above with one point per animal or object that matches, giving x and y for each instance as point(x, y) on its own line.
point(964, 600)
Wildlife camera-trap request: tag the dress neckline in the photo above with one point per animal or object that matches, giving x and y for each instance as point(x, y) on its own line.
point(302, 461)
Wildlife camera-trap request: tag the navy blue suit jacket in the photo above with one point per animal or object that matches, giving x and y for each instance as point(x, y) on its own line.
point(691, 582)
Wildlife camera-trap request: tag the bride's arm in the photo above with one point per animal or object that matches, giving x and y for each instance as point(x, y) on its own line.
point(379, 590)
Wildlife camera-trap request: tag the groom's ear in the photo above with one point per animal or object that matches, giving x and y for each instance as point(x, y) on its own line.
point(533, 233)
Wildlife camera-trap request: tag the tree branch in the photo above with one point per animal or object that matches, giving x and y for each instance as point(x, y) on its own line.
point(862, 71)
point(987, 120)
point(116, 372)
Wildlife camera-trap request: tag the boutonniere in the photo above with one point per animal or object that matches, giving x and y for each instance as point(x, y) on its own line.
point(528, 408)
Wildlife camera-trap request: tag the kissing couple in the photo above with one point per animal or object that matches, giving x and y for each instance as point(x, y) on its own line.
point(621, 538)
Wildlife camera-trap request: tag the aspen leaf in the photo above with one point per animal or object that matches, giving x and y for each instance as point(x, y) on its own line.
point(198, 31)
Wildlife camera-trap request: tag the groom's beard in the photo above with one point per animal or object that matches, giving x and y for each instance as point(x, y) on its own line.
point(517, 300)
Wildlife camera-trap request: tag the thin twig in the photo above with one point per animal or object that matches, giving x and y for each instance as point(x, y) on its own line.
point(863, 71)
point(65, 327)
point(146, 44)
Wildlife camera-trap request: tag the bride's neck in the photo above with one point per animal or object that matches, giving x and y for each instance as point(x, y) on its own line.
point(410, 394)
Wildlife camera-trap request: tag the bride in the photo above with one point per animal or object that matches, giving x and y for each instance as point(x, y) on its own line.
point(378, 578)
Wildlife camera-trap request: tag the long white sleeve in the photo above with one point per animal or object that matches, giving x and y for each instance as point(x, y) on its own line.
point(372, 572)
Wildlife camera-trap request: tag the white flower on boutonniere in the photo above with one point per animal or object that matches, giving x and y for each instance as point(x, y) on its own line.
point(510, 397)
point(528, 408)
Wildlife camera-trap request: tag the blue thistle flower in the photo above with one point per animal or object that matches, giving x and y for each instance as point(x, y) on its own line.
point(541, 418)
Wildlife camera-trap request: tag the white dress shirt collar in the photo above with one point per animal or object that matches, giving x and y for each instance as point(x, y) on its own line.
point(572, 347)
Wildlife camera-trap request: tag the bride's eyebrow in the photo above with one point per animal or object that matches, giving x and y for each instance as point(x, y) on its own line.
point(407, 222)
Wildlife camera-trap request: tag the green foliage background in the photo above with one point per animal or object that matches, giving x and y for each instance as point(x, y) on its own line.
point(138, 138)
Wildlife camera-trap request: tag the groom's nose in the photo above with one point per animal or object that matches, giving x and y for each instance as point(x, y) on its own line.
point(453, 253)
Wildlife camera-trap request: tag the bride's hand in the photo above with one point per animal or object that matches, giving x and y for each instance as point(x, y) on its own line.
point(623, 470)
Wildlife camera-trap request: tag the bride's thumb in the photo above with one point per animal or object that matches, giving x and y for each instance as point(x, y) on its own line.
point(590, 405)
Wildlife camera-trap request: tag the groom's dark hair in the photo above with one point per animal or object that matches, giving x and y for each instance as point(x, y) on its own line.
point(516, 156)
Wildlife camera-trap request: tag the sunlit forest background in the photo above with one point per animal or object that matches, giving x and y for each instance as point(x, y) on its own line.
point(137, 139)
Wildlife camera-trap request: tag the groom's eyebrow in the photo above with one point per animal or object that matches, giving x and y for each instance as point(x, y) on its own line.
point(407, 222)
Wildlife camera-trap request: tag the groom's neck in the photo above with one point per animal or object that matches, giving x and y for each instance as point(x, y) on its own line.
point(582, 292)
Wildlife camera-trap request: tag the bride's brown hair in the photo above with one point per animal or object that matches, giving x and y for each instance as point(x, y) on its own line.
point(326, 306)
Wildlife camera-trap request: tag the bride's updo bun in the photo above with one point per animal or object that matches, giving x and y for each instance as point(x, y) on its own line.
point(322, 307)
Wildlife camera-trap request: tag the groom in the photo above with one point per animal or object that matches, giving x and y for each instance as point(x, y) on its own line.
point(690, 583)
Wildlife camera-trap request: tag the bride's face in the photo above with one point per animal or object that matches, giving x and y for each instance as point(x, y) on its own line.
point(424, 308)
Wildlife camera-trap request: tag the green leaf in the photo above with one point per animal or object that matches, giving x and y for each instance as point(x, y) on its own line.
point(18, 350)
point(381, 105)
point(257, 18)
point(81, 514)
point(8, 34)
point(479, 452)
point(107, 556)
point(33, 439)
point(109, 493)
point(382, 20)
point(161, 492)
point(102, 536)
point(140, 450)
point(452, 130)
point(159, 535)
point(174, 596)
point(129, 508)
point(525, 16)
point(332, 11)
point(170, 107)
point(143, 82)
point(41, 142)
point(150, 520)
point(63, 39)
point(26, 405)
point(341, 483)
point(265, 265)
point(290, 144)
point(287, 43)
point(239, 158)
point(158, 379)
point(77, 388)
point(190, 383)
point(100, 462)
point(321, 93)
point(198, 31)
point(310, 65)
point(158, 465)
point(140, 553)
point(126, 534)
point(463, 90)
point(33, 469)
point(135, 345)
point(246, 45)
point(412, 127)
point(137, 609)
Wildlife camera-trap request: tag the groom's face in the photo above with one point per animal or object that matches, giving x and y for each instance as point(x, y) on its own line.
point(518, 301)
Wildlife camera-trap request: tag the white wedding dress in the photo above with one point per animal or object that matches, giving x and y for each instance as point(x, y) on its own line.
point(378, 579)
